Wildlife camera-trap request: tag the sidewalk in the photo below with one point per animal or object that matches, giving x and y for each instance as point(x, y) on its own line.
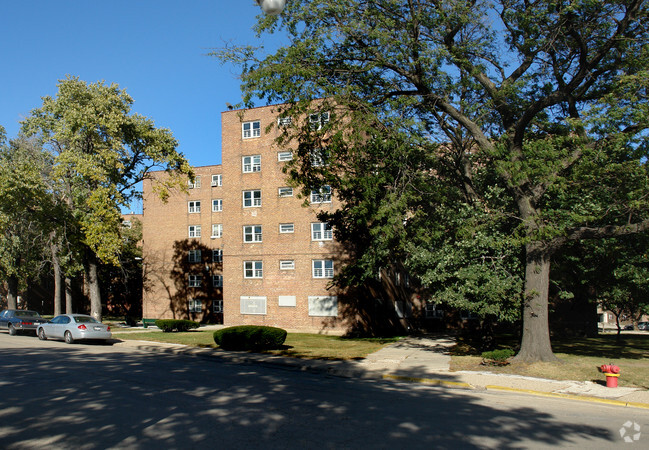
point(423, 360)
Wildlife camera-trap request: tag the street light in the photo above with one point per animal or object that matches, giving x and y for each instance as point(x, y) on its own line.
point(272, 7)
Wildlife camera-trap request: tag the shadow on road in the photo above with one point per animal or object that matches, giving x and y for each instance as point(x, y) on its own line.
point(69, 396)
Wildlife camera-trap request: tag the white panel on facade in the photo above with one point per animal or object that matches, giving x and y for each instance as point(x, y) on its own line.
point(323, 306)
point(287, 300)
point(253, 305)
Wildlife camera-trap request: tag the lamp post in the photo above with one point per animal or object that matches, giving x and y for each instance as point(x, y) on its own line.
point(272, 7)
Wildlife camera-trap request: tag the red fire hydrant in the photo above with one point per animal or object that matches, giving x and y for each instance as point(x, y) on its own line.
point(612, 372)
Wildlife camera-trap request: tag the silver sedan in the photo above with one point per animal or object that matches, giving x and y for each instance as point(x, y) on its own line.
point(74, 327)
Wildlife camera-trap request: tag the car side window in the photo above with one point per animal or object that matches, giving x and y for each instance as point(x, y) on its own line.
point(65, 319)
point(58, 319)
point(3, 313)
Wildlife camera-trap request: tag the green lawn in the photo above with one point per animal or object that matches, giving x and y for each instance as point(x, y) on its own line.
point(580, 359)
point(297, 345)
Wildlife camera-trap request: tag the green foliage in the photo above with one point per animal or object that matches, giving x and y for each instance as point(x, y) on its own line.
point(500, 355)
point(250, 337)
point(176, 325)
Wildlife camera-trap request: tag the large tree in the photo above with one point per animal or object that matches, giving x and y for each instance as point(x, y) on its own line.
point(548, 97)
point(101, 151)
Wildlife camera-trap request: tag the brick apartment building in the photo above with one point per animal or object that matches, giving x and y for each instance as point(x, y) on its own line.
point(240, 246)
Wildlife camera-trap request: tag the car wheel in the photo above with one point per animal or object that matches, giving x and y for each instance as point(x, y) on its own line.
point(12, 330)
point(41, 335)
point(68, 338)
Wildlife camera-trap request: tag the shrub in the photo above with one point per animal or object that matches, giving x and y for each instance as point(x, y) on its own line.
point(497, 356)
point(250, 337)
point(169, 325)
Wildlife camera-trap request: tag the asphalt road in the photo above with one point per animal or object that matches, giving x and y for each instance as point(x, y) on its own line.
point(81, 396)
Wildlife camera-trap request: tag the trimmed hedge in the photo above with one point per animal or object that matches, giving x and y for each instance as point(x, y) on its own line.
point(499, 356)
point(250, 337)
point(169, 325)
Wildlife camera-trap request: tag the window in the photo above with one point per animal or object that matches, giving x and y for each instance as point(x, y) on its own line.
point(195, 306)
point(217, 230)
point(323, 268)
point(217, 255)
point(322, 195)
point(217, 306)
point(217, 280)
point(321, 231)
point(323, 306)
point(252, 233)
point(217, 205)
point(286, 228)
point(251, 199)
point(217, 180)
point(434, 311)
point(319, 157)
point(287, 300)
point(194, 231)
point(318, 120)
point(253, 269)
point(253, 305)
point(251, 129)
point(287, 264)
point(194, 207)
point(196, 184)
point(195, 280)
point(285, 192)
point(284, 156)
point(251, 163)
point(194, 256)
point(284, 121)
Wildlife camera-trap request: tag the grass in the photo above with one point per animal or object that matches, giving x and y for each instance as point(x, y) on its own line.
point(579, 359)
point(297, 345)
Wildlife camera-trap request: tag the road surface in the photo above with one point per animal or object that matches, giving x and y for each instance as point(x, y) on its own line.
point(54, 395)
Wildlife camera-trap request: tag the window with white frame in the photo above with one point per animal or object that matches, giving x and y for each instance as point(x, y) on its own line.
point(217, 180)
point(195, 306)
point(287, 264)
point(195, 184)
point(252, 305)
point(217, 230)
point(285, 156)
point(284, 121)
point(195, 280)
point(194, 206)
point(217, 205)
point(251, 164)
point(217, 255)
point(321, 231)
point(322, 195)
point(323, 306)
point(323, 268)
point(217, 280)
point(194, 231)
point(318, 120)
point(252, 233)
point(217, 306)
point(253, 269)
point(251, 129)
point(285, 228)
point(285, 192)
point(318, 157)
point(252, 199)
point(194, 256)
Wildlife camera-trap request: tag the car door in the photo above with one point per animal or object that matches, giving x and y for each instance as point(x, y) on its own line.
point(3, 318)
point(55, 328)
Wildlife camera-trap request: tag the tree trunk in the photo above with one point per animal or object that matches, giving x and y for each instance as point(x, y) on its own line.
point(93, 289)
point(68, 295)
point(56, 266)
point(12, 292)
point(535, 344)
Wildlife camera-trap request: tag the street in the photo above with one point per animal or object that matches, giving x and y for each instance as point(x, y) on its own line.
point(54, 395)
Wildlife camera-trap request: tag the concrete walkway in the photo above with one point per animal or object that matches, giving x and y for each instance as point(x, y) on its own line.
point(423, 360)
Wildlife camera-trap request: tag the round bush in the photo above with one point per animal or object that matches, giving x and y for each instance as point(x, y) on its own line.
point(250, 337)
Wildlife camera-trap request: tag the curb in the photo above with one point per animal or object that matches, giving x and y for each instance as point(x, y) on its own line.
point(319, 367)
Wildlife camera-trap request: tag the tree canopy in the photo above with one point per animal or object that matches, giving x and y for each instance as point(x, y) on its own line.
point(479, 136)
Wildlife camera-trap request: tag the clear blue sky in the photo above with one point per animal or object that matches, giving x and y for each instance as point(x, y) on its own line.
point(156, 50)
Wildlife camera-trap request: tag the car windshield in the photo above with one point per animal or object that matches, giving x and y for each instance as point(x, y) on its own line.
point(85, 319)
point(27, 314)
